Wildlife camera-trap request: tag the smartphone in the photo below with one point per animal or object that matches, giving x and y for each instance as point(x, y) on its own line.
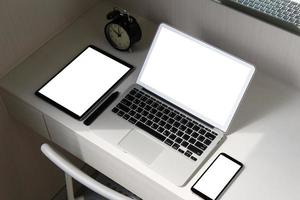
point(217, 177)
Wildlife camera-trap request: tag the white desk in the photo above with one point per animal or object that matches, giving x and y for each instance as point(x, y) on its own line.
point(265, 133)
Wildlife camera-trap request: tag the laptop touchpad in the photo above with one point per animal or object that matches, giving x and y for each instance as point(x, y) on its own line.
point(141, 146)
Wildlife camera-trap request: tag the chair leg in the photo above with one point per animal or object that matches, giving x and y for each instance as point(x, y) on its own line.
point(69, 186)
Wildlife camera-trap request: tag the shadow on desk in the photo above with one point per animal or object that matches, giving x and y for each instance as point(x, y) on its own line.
point(264, 97)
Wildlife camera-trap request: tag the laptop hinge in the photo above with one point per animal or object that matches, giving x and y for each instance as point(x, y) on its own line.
point(217, 130)
point(185, 112)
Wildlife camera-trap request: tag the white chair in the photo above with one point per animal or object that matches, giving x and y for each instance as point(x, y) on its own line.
point(71, 171)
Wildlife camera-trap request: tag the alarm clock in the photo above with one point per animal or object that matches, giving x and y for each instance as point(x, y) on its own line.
point(123, 30)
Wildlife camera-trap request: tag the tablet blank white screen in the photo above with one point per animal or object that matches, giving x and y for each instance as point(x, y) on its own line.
point(78, 86)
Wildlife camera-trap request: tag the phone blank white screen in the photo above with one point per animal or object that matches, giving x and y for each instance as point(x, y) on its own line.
point(216, 177)
point(78, 86)
point(196, 77)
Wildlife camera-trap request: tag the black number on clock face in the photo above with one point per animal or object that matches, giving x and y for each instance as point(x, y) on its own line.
point(118, 36)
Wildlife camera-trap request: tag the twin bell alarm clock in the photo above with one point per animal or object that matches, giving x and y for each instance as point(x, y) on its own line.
point(122, 31)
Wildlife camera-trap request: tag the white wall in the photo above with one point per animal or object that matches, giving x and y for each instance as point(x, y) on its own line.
point(271, 49)
point(24, 27)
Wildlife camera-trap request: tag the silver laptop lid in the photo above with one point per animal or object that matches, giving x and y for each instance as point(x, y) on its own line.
point(195, 76)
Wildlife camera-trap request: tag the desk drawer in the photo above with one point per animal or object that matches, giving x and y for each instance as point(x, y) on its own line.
point(25, 114)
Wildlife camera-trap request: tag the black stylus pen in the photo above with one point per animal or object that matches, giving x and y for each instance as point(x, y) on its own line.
point(101, 108)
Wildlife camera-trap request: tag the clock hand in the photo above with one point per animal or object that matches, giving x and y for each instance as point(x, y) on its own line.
point(116, 32)
point(119, 31)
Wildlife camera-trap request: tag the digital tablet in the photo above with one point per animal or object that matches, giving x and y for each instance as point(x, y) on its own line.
point(84, 82)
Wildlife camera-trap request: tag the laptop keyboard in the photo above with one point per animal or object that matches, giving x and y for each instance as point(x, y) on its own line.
point(285, 10)
point(164, 123)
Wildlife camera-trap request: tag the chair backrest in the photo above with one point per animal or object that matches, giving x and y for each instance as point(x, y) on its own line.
point(71, 171)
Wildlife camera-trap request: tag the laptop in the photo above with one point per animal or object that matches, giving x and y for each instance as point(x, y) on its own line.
point(282, 13)
point(180, 107)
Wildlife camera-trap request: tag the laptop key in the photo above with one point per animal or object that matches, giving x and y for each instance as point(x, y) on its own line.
point(159, 114)
point(138, 95)
point(188, 153)
point(166, 111)
point(196, 128)
point(123, 107)
point(115, 110)
point(172, 114)
point(192, 140)
point(160, 108)
point(149, 101)
point(136, 101)
point(165, 117)
point(195, 135)
point(150, 116)
point(126, 102)
point(172, 136)
point(176, 124)
point(150, 131)
point(179, 133)
point(168, 126)
point(120, 113)
point(184, 143)
point(189, 124)
point(143, 119)
point(142, 104)
point(201, 138)
point(156, 119)
point(144, 98)
point(133, 106)
point(200, 146)
point(133, 92)
point(149, 123)
point(169, 142)
point(166, 133)
point(182, 127)
point(184, 121)
point(154, 126)
point(214, 133)
point(207, 142)
point(126, 116)
point(160, 129)
point(132, 120)
point(188, 131)
point(194, 149)
point(178, 140)
point(175, 146)
point(153, 111)
point(155, 105)
point(137, 116)
point(162, 123)
point(210, 136)
point(174, 130)
point(202, 131)
point(193, 158)
point(129, 97)
point(178, 117)
point(180, 150)
point(186, 137)
point(132, 113)
point(171, 121)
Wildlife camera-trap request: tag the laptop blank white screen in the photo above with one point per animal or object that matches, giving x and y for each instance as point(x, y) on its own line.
point(195, 76)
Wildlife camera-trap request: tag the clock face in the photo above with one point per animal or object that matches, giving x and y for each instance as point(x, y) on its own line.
point(118, 36)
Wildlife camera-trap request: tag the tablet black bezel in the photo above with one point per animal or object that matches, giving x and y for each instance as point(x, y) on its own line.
point(62, 108)
point(202, 195)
